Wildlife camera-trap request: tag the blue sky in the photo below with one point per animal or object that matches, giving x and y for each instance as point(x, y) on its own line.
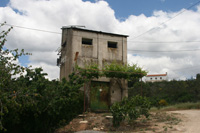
point(3, 2)
point(24, 60)
point(125, 8)
point(130, 17)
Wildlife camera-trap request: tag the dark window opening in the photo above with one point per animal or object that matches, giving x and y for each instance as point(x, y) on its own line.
point(64, 44)
point(160, 77)
point(112, 44)
point(86, 41)
point(155, 78)
point(58, 61)
point(151, 78)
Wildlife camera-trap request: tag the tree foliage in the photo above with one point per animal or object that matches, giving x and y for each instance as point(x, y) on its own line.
point(123, 71)
point(112, 70)
point(116, 71)
point(171, 92)
point(28, 101)
point(90, 71)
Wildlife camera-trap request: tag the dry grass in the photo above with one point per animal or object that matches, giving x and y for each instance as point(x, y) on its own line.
point(180, 106)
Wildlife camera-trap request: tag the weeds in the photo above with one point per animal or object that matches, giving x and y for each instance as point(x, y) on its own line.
point(180, 106)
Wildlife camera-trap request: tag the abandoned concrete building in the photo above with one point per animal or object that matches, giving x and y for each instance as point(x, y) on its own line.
point(81, 46)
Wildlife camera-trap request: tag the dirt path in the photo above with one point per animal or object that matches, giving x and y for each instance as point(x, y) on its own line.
point(190, 121)
point(183, 121)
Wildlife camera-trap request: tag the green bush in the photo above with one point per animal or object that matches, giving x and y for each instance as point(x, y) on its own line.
point(28, 101)
point(130, 109)
point(163, 102)
point(40, 105)
point(173, 92)
point(118, 113)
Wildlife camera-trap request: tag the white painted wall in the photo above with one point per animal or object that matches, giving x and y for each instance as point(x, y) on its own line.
point(156, 78)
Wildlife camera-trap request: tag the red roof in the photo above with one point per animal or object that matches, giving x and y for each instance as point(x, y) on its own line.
point(154, 75)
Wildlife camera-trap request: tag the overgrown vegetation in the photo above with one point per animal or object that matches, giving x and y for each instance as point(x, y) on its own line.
point(112, 70)
point(28, 101)
point(129, 109)
point(31, 103)
point(180, 106)
point(168, 92)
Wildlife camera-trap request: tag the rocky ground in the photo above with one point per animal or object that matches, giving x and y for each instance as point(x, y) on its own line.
point(157, 122)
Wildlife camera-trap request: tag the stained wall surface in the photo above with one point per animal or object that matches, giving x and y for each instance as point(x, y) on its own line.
point(93, 46)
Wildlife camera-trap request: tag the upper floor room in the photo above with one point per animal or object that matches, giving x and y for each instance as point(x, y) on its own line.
point(93, 44)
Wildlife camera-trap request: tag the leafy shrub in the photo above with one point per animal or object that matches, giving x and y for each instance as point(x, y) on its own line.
point(40, 105)
point(30, 102)
point(129, 109)
point(118, 112)
point(173, 92)
point(154, 102)
point(163, 102)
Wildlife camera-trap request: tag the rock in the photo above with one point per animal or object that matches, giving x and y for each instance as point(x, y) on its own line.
point(81, 116)
point(109, 117)
point(83, 122)
point(96, 129)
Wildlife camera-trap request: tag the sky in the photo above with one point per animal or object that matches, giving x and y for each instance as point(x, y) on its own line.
point(163, 34)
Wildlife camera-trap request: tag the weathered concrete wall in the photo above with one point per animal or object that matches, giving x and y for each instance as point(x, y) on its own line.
point(99, 49)
point(66, 54)
point(118, 90)
point(98, 53)
point(115, 91)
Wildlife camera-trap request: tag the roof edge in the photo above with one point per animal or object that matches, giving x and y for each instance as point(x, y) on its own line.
point(88, 30)
point(154, 75)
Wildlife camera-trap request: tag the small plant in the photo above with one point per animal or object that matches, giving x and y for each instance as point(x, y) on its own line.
point(118, 113)
point(130, 109)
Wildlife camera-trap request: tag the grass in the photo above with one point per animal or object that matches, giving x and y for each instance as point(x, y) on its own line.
point(165, 117)
point(180, 106)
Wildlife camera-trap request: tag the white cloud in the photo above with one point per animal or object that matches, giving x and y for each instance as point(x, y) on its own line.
point(162, 64)
point(51, 15)
point(51, 70)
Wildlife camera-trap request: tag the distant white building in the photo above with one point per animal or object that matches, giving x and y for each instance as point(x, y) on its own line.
point(156, 77)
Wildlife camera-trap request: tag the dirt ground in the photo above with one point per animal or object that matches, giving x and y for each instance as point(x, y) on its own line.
point(187, 121)
point(190, 121)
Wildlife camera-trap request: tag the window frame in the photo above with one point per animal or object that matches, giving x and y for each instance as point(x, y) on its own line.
point(111, 44)
point(87, 41)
